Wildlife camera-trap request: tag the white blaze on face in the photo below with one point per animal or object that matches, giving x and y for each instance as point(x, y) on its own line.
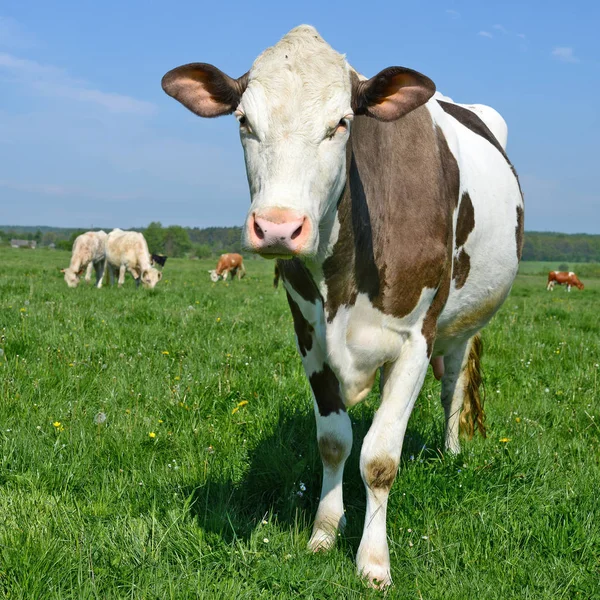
point(294, 124)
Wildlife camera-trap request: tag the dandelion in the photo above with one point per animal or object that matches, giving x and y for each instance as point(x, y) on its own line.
point(160, 421)
point(152, 435)
point(165, 352)
point(239, 405)
point(100, 418)
point(504, 440)
point(127, 411)
point(518, 419)
point(218, 319)
point(56, 424)
point(264, 522)
point(23, 310)
point(547, 390)
point(71, 365)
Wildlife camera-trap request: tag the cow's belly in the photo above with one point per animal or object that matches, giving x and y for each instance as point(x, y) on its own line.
point(361, 338)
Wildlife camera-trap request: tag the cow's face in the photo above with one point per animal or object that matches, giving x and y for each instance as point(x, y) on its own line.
point(71, 277)
point(214, 277)
point(150, 277)
point(295, 108)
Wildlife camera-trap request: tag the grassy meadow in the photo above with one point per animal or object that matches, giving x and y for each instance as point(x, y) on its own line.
point(161, 444)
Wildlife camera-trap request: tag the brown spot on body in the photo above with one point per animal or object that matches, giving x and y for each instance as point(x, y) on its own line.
point(326, 388)
point(465, 222)
point(332, 451)
point(462, 266)
point(519, 231)
point(304, 330)
point(380, 473)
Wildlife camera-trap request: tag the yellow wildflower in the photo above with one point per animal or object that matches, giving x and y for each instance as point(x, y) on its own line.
point(165, 352)
point(518, 419)
point(56, 424)
point(218, 319)
point(152, 435)
point(160, 421)
point(239, 405)
point(504, 440)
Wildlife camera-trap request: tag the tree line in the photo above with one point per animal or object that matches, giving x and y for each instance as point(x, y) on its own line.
point(177, 241)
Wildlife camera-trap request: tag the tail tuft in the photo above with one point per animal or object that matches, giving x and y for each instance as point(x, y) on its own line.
point(472, 416)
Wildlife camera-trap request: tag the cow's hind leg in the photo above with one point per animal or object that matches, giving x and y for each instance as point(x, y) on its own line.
point(460, 393)
point(100, 267)
point(380, 455)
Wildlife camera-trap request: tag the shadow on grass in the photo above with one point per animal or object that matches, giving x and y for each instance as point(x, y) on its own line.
point(284, 482)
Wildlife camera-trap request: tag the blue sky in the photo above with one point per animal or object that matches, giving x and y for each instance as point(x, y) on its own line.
point(88, 138)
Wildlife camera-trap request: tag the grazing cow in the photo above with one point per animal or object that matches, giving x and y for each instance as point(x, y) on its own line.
point(128, 251)
point(563, 277)
point(397, 220)
point(229, 264)
point(88, 253)
point(158, 259)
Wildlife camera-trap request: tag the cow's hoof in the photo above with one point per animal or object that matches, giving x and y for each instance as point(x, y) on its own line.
point(325, 534)
point(374, 567)
point(321, 540)
point(376, 576)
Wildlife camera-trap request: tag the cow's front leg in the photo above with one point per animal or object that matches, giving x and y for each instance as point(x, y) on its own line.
point(122, 271)
point(380, 454)
point(334, 431)
point(334, 436)
point(88, 272)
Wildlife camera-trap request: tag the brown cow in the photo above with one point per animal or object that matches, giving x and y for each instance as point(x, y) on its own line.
point(563, 277)
point(228, 264)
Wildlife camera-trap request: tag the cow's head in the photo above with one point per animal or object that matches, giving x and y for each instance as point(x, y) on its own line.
point(295, 108)
point(150, 277)
point(578, 283)
point(214, 276)
point(72, 277)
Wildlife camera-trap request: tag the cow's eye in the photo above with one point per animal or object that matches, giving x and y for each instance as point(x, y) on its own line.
point(242, 120)
point(342, 125)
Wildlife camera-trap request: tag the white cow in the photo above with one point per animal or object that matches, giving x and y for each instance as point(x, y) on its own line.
point(88, 253)
point(400, 219)
point(128, 251)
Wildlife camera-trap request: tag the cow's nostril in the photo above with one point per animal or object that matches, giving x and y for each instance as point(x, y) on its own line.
point(296, 233)
point(258, 231)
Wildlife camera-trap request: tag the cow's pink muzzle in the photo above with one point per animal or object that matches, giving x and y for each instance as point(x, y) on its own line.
point(278, 231)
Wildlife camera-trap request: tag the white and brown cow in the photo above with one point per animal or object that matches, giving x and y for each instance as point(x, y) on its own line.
point(88, 254)
point(229, 264)
point(128, 251)
point(398, 221)
point(567, 278)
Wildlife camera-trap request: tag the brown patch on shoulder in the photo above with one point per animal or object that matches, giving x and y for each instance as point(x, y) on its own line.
point(395, 215)
point(380, 473)
point(332, 451)
point(466, 220)
point(298, 276)
point(462, 266)
point(519, 231)
point(326, 388)
point(304, 330)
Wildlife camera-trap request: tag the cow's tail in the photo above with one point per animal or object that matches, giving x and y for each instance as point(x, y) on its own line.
point(472, 416)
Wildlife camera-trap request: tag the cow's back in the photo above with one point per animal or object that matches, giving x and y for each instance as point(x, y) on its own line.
point(488, 226)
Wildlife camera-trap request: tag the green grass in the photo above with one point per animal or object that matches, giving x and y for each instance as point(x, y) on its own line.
point(209, 506)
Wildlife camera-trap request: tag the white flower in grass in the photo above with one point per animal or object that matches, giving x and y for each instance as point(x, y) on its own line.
point(266, 540)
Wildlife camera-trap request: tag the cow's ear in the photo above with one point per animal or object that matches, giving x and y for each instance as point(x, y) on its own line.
point(391, 93)
point(63, 270)
point(204, 89)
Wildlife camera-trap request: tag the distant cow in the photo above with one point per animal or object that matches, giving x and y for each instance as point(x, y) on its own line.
point(229, 264)
point(158, 259)
point(563, 277)
point(128, 251)
point(88, 253)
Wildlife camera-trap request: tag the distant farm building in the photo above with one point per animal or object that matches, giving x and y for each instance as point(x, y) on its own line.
point(23, 244)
